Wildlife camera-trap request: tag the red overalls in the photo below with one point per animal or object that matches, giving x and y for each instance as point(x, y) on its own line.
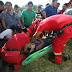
point(59, 44)
point(54, 23)
point(16, 42)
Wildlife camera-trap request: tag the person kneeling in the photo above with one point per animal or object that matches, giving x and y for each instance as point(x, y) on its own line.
point(12, 50)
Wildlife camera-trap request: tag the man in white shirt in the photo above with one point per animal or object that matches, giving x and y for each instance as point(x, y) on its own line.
point(7, 34)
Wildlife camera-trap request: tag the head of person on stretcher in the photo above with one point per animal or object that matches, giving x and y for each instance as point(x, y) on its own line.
point(36, 45)
point(40, 43)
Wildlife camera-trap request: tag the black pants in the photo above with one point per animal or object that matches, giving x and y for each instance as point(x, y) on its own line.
point(2, 42)
point(48, 40)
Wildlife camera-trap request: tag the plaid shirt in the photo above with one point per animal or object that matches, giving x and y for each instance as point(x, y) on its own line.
point(10, 19)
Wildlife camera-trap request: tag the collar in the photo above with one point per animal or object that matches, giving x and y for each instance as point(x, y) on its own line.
point(28, 11)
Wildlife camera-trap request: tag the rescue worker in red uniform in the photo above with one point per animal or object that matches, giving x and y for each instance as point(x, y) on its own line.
point(55, 23)
point(12, 50)
point(32, 28)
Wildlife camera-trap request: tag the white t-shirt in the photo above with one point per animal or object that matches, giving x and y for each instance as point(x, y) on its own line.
point(58, 10)
point(7, 33)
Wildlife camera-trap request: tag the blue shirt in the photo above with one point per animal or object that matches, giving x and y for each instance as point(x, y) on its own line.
point(50, 11)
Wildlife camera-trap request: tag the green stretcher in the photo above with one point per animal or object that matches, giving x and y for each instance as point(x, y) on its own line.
point(36, 55)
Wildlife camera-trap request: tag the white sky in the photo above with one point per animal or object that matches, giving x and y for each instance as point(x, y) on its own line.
point(35, 2)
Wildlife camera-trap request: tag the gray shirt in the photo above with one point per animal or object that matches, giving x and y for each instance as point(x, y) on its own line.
point(1, 28)
point(10, 19)
point(68, 11)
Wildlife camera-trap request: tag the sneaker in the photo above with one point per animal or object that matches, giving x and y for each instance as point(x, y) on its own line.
point(65, 57)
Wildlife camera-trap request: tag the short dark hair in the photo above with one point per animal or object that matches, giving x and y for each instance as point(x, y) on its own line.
point(47, 4)
point(1, 3)
point(24, 29)
point(66, 4)
point(54, 0)
point(39, 6)
point(58, 3)
point(16, 6)
point(7, 3)
point(30, 2)
point(17, 28)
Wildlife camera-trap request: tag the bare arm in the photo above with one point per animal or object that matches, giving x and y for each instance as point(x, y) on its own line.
point(25, 48)
point(20, 23)
point(40, 45)
point(22, 20)
point(34, 18)
point(36, 35)
point(44, 14)
point(5, 38)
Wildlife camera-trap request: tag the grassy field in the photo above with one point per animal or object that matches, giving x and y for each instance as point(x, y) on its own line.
point(43, 65)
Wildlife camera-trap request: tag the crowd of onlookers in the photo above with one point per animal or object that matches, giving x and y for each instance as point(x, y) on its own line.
point(24, 18)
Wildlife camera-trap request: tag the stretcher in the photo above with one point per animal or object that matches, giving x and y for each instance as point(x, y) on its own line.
point(36, 55)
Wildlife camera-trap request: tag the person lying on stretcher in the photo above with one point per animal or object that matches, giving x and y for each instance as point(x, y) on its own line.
point(40, 43)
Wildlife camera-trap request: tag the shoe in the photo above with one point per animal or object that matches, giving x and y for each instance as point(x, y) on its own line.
point(51, 56)
point(65, 57)
point(53, 61)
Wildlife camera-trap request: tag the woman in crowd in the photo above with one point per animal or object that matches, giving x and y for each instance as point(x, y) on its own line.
point(9, 18)
point(63, 9)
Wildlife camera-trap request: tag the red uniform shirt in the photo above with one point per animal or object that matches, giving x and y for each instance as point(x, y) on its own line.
point(17, 41)
point(32, 30)
point(54, 23)
point(33, 27)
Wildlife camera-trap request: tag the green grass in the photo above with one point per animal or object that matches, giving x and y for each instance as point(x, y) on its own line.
point(43, 65)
